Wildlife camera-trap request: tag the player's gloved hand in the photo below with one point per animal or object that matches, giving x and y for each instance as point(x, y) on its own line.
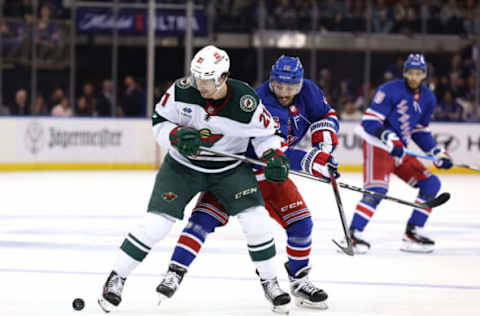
point(186, 140)
point(324, 136)
point(316, 162)
point(394, 144)
point(325, 140)
point(443, 159)
point(277, 165)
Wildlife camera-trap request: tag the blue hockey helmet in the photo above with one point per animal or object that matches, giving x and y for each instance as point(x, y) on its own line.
point(415, 61)
point(287, 69)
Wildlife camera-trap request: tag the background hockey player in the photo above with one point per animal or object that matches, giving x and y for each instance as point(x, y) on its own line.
point(211, 110)
point(297, 105)
point(401, 110)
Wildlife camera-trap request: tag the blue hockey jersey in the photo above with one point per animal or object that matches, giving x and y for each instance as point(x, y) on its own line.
point(396, 108)
point(309, 108)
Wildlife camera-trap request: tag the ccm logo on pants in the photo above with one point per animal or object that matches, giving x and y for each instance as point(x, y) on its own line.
point(245, 192)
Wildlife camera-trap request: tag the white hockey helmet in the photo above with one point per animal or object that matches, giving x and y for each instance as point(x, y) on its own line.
point(210, 63)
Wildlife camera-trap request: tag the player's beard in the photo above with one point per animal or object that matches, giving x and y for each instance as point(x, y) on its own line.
point(285, 101)
point(414, 85)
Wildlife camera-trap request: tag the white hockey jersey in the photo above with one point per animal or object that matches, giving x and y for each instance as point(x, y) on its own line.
point(227, 126)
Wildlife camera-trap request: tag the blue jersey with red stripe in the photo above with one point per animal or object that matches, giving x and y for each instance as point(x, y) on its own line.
point(397, 108)
point(307, 112)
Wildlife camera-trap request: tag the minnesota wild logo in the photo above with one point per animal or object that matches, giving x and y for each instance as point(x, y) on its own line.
point(248, 103)
point(208, 138)
point(169, 196)
point(183, 83)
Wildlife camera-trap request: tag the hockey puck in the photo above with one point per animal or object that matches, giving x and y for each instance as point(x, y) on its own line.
point(78, 304)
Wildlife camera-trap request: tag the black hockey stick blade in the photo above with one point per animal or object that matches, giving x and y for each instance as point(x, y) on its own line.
point(439, 200)
point(347, 250)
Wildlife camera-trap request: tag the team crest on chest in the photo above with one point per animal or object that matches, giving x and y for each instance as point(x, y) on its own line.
point(183, 83)
point(208, 138)
point(248, 103)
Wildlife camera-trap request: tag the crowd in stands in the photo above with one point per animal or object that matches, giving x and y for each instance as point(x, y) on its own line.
point(454, 85)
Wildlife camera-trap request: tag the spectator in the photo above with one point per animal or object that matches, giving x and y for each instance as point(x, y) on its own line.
point(12, 37)
point(39, 106)
point(4, 110)
point(350, 111)
point(90, 100)
point(133, 99)
point(104, 100)
point(83, 108)
point(381, 17)
point(451, 16)
point(448, 109)
point(20, 106)
point(48, 36)
point(56, 97)
point(62, 109)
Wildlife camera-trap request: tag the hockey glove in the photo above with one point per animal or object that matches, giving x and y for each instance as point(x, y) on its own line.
point(325, 140)
point(277, 165)
point(443, 159)
point(394, 144)
point(323, 135)
point(186, 140)
point(316, 162)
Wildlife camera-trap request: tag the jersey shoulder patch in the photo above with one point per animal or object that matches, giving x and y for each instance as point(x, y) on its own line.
point(186, 93)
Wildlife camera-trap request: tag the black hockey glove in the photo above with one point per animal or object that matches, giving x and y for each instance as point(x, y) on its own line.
point(186, 140)
point(277, 165)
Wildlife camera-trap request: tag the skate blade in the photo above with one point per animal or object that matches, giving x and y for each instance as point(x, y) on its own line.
point(161, 298)
point(358, 250)
point(105, 305)
point(303, 303)
point(409, 246)
point(281, 309)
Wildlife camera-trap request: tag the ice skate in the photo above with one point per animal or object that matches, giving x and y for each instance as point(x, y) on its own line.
point(276, 296)
point(359, 245)
point(413, 241)
point(112, 292)
point(171, 281)
point(305, 293)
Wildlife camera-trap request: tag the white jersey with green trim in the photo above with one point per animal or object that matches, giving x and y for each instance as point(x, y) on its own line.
point(228, 125)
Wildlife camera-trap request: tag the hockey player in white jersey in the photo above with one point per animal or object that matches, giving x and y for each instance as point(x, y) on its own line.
point(211, 110)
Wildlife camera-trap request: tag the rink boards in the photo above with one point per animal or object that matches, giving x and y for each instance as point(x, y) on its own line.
point(93, 143)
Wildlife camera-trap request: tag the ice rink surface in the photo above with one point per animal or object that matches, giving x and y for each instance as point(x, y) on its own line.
point(60, 232)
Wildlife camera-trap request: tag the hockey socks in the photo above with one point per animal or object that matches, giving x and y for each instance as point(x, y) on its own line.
point(429, 188)
point(139, 242)
point(299, 244)
point(192, 238)
point(366, 208)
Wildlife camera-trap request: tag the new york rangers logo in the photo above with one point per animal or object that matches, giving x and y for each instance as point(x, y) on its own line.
point(404, 118)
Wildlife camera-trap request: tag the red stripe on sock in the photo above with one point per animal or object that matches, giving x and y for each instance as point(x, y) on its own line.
point(190, 243)
point(298, 253)
point(364, 210)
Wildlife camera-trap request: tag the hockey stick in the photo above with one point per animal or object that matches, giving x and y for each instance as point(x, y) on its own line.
point(439, 200)
point(349, 249)
point(428, 157)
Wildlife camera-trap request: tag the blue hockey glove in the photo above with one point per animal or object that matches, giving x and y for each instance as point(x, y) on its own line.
point(316, 162)
point(394, 144)
point(443, 159)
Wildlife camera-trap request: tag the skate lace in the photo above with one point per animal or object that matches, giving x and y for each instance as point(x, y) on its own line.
point(272, 288)
point(305, 285)
point(115, 285)
point(171, 280)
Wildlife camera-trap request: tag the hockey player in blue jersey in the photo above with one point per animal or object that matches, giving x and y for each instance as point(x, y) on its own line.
point(401, 110)
point(296, 105)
